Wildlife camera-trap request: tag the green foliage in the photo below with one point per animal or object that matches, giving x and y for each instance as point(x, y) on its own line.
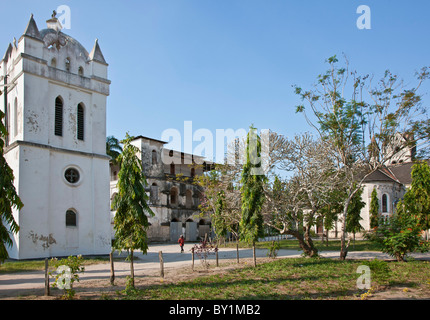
point(67, 273)
point(220, 198)
point(388, 109)
point(217, 218)
point(417, 197)
point(9, 198)
point(381, 272)
point(401, 234)
point(130, 203)
point(334, 206)
point(398, 235)
point(273, 249)
point(374, 209)
point(353, 218)
point(251, 224)
point(129, 289)
point(113, 148)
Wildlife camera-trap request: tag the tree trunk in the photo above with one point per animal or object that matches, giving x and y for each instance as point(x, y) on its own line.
point(132, 269)
point(253, 254)
point(326, 236)
point(345, 251)
point(237, 250)
point(343, 248)
point(305, 244)
point(310, 243)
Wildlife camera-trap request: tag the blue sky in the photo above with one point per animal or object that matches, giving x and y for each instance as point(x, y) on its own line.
point(229, 63)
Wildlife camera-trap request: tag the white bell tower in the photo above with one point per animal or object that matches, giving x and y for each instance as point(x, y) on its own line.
point(55, 104)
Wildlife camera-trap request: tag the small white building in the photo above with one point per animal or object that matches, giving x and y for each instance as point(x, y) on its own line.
point(55, 106)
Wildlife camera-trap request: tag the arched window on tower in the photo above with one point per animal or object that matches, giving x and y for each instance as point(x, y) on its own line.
point(15, 117)
point(172, 168)
point(67, 64)
point(8, 124)
point(71, 218)
point(384, 203)
point(58, 117)
point(154, 157)
point(154, 193)
point(174, 197)
point(80, 129)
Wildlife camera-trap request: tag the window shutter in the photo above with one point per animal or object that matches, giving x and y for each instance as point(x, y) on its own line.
point(80, 122)
point(58, 117)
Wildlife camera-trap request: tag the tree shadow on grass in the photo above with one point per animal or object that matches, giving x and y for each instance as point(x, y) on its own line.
point(263, 288)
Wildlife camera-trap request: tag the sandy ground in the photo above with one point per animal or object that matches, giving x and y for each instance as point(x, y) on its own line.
point(94, 282)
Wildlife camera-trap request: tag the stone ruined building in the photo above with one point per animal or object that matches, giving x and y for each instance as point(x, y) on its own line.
point(174, 196)
point(54, 100)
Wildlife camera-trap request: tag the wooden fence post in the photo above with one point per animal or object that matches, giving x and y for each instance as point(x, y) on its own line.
point(112, 272)
point(253, 254)
point(160, 256)
point(192, 250)
point(47, 292)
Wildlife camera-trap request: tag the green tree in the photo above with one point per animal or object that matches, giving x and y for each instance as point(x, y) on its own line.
point(131, 205)
point(417, 197)
point(399, 235)
point(252, 191)
point(9, 198)
point(217, 218)
point(374, 209)
point(113, 148)
point(346, 106)
point(221, 198)
point(353, 218)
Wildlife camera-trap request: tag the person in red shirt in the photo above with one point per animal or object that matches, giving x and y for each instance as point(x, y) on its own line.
point(181, 242)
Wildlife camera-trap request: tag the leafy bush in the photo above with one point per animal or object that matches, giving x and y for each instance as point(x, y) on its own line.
point(399, 235)
point(273, 249)
point(203, 251)
point(67, 273)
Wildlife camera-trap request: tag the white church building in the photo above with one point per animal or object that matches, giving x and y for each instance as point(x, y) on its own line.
point(54, 100)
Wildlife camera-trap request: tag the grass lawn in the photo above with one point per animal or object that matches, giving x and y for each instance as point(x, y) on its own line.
point(294, 278)
point(13, 266)
point(333, 245)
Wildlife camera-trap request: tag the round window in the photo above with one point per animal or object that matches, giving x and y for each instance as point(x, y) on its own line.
point(71, 175)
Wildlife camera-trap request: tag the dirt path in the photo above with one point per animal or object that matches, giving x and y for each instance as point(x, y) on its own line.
point(145, 266)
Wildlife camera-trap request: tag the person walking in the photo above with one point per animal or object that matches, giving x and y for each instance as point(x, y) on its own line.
point(181, 242)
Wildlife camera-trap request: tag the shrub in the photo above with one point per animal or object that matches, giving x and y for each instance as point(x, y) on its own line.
point(273, 249)
point(67, 273)
point(399, 235)
point(203, 251)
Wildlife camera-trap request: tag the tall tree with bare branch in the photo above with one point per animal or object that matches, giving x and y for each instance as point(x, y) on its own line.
point(361, 120)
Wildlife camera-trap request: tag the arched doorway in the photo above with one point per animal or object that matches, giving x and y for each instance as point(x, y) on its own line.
point(175, 230)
